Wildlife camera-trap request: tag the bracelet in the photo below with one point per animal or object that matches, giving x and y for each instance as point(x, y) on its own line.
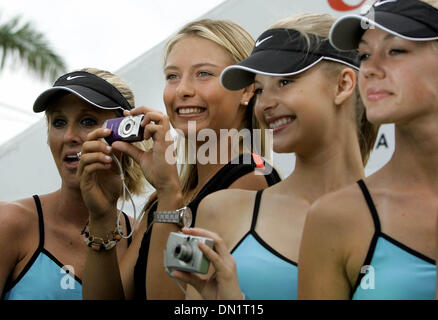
point(101, 244)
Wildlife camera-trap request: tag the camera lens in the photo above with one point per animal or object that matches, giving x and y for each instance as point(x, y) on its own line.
point(128, 126)
point(183, 252)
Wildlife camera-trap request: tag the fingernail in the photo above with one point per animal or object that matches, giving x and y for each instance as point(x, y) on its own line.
point(107, 131)
point(108, 148)
point(107, 158)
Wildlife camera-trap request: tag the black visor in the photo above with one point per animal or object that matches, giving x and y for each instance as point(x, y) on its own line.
point(87, 86)
point(408, 19)
point(283, 52)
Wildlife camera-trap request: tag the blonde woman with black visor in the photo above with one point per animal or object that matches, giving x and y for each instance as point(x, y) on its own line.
point(306, 93)
point(375, 239)
point(42, 249)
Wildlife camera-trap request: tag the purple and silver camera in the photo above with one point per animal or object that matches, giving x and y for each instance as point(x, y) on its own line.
point(127, 129)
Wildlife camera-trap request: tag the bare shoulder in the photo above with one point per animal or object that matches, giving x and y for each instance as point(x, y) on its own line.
point(17, 222)
point(341, 213)
point(224, 202)
point(226, 211)
point(337, 231)
point(18, 216)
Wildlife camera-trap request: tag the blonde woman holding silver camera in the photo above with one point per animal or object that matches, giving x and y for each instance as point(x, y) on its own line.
point(306, 93)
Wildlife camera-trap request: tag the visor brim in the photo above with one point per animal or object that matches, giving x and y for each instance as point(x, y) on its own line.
point(274, 63)
point(88, 95)
point(347, 31)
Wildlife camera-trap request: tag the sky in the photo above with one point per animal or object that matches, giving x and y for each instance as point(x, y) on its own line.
point(105, 34)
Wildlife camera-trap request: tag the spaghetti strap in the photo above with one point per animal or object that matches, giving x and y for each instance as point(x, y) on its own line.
point(370, 204)
point(40, 220)
point(256, 209)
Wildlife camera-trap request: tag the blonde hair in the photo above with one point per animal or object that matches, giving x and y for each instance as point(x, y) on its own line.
point(319, 24)
point(433, 3)
point(238, 43)
point(134, 177)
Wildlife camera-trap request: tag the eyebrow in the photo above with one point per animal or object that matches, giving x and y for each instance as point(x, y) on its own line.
point(290, 77)
point(82, 111)
point(197, 65)
point(385, 38)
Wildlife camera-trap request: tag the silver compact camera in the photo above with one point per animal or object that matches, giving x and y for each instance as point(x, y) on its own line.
point(127, 129)
point(182, 253)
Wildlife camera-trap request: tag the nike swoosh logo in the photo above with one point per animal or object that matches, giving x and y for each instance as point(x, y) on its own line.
point(259, 42)
point(383, 2)
point(71, 78)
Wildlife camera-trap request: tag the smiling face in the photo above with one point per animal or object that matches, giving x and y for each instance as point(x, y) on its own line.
point(70, 120)
point(398, 78)
point(193, 91)
point(299, 109)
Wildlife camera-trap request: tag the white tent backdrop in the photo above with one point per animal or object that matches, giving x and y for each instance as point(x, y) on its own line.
point(26, 164)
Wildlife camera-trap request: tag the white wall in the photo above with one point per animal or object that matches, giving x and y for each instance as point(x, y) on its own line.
point(26, 165)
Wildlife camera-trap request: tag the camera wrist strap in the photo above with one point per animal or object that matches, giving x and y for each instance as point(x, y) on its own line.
point(169, 272)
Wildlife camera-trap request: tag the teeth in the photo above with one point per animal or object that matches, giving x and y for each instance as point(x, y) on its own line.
point(189, 110)
point(280, 122)
point(72, 157)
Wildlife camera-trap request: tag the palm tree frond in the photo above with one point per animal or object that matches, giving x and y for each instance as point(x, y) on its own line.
point(31, 47)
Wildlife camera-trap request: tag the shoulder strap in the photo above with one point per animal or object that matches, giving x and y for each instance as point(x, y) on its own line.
point(255, 213)
point(40, 220)
point(370, 204)
point(221, 180)
point(142, 260)
point(271, 175)
point(375, 237)
point(10, 284)
point(232, 171)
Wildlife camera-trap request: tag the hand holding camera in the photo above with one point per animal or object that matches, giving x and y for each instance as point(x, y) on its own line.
point(183, 253)
point(127, 129)
point(98, 175)
point(160, 173)
point(223, 283)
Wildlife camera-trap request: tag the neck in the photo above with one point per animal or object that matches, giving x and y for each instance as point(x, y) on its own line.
point(334, 166)
point(206, 172)
point(70, 207)
point(415, 157)
point(213, 156)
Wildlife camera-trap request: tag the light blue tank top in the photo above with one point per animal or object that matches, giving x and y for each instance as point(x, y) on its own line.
point(44, 277)
point(264, 274)
point(393, 271)
point(46, 280)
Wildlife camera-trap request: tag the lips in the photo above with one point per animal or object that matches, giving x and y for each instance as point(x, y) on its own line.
point(71, 160)
point(376, 94)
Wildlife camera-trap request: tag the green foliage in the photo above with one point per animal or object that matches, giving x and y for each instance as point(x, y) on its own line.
point(21, 40)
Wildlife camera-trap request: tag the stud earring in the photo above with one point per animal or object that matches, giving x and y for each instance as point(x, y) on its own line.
point(245, 103)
